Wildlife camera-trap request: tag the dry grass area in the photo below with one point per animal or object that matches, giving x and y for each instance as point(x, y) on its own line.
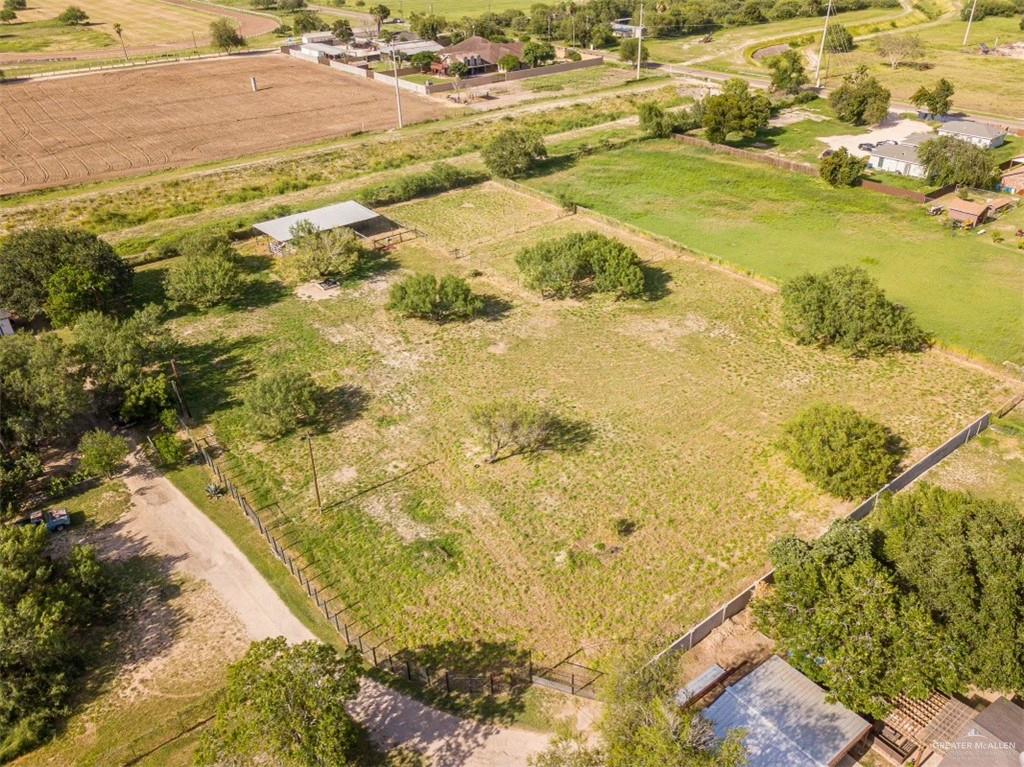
point(680, 399)
point(992, 466)
point(120, 123)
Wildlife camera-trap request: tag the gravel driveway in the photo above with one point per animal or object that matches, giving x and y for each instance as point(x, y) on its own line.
point(171, 524)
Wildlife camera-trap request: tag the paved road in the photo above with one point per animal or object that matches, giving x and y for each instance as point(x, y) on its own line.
point(171, 524)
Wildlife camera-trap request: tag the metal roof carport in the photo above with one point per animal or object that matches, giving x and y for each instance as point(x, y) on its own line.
point(787, 719)
point(324, 219)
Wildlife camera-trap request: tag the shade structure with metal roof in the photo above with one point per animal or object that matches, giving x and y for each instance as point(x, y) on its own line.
point(788, 721)
point(324, 219)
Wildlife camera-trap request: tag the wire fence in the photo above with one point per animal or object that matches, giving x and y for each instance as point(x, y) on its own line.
point(376, 649)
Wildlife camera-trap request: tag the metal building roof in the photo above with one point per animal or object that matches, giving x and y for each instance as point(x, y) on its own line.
point(971, 128)
point(786, 717)
point(330, 50)
point(901, 152)
point(331, 217)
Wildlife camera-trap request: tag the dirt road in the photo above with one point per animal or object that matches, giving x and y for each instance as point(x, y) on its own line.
point(171, 524)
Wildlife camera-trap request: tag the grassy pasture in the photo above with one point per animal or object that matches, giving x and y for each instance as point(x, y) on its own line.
point(678, 400)
point(145, 22)
point(991, 466)
point(963, 287)
point(987, 84)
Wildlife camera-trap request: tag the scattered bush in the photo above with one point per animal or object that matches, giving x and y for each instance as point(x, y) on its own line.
point(735, 110)
point(73, 16)
point(845, 307)
point(579, 263)
point(225, 36)
point(440, 178)
point(624, 527)
point(985, 8)
point(841, 451)
point(838, 39)
point(655, 122)
point(423, 295)
point(937, 100)
point(170, 449)
point(207, 276)
point(788, 72)
point(841, 168)
point(103, 453)
point(280, 401)
point(513, 152)
point(627, 50)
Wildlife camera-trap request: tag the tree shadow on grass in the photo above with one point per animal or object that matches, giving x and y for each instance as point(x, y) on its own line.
point(338, 406)
point(551, 165)
point(148, 287)
point(495, 308)
point(211, 370)
point(656, 281)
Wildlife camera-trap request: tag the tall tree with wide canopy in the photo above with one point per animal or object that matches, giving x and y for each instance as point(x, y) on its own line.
point(60, 273)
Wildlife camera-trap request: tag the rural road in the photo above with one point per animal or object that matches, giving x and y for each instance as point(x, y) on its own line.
point(171, 524)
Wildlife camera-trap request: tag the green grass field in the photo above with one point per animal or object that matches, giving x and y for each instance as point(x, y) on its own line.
point(33, 36)
point(680, 399)
point(964, 288)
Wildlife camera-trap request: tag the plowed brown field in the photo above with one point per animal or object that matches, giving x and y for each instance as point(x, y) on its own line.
point(101, 126)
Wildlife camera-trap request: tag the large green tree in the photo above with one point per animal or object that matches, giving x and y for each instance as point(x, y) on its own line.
point(861, 99)
point(122, 360)
point(224, 35)
point(841, 451)
point(788, 72)
point(841, 617)
point(845, 307)
point(963, 556)
point(937, 100)
point(60, 273)
point(316, 255)
point(841, 168)
point(949, 160)
point(47, 606)
point(735, 110)
point(285, 705)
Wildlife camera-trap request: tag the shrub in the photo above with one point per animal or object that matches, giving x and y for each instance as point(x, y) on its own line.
point(207, 276)
point(508, 428)
point(103, 453)
point(513, 152)
point(315, 255)
point(440, 178)
point(838, 39)
point(144, 397)
point(990, 8)
point(627, 50)
point(655, 122)
point(225, 36)
point(841, 168)
point(281, 400)
point(73, 16)
point(170, 449)
point(845, 307)
point(423, 295)
point(580, 263)
point(841, 451)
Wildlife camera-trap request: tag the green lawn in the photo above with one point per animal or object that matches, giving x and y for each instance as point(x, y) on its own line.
point(968, 291)
point(51, 35)
point(678, 401)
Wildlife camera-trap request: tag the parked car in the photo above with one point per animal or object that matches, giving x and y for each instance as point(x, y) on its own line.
point(886, 142)
point(55, 520)
point(866, 146)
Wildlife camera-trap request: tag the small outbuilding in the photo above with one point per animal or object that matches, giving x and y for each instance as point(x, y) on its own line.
point(787, 719)
point(984, 135)
point(1012, 179)
point(967, 212)
point(350, 215)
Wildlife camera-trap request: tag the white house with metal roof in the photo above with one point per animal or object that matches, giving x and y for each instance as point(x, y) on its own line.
point(897, 158)
point(984, 135)
point(787, 719)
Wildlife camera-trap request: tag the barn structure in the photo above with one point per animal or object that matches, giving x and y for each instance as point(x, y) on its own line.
point(378, 231)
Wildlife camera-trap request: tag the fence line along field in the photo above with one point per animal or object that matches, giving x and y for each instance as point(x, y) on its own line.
point(79, 129)
point(665, 503)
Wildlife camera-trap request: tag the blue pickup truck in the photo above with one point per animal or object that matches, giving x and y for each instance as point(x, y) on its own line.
point(55, 520)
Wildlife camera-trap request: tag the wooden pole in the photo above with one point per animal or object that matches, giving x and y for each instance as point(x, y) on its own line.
point(312, 464)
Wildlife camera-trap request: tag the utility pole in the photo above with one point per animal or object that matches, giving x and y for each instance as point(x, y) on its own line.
point(398, 91)
point(821, 48)
point(640, 41)
point(970, 21)
point(312, 465)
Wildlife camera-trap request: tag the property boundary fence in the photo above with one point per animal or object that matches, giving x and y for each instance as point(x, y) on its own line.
point(274, 526)
point(738, 603)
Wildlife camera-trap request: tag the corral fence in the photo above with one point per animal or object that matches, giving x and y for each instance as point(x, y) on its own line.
point(274, 526)
point(738, 603)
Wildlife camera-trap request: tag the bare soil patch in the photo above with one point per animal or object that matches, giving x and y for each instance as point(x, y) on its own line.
point(120, 123)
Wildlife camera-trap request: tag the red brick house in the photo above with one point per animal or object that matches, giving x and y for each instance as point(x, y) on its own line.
point(477, 53)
